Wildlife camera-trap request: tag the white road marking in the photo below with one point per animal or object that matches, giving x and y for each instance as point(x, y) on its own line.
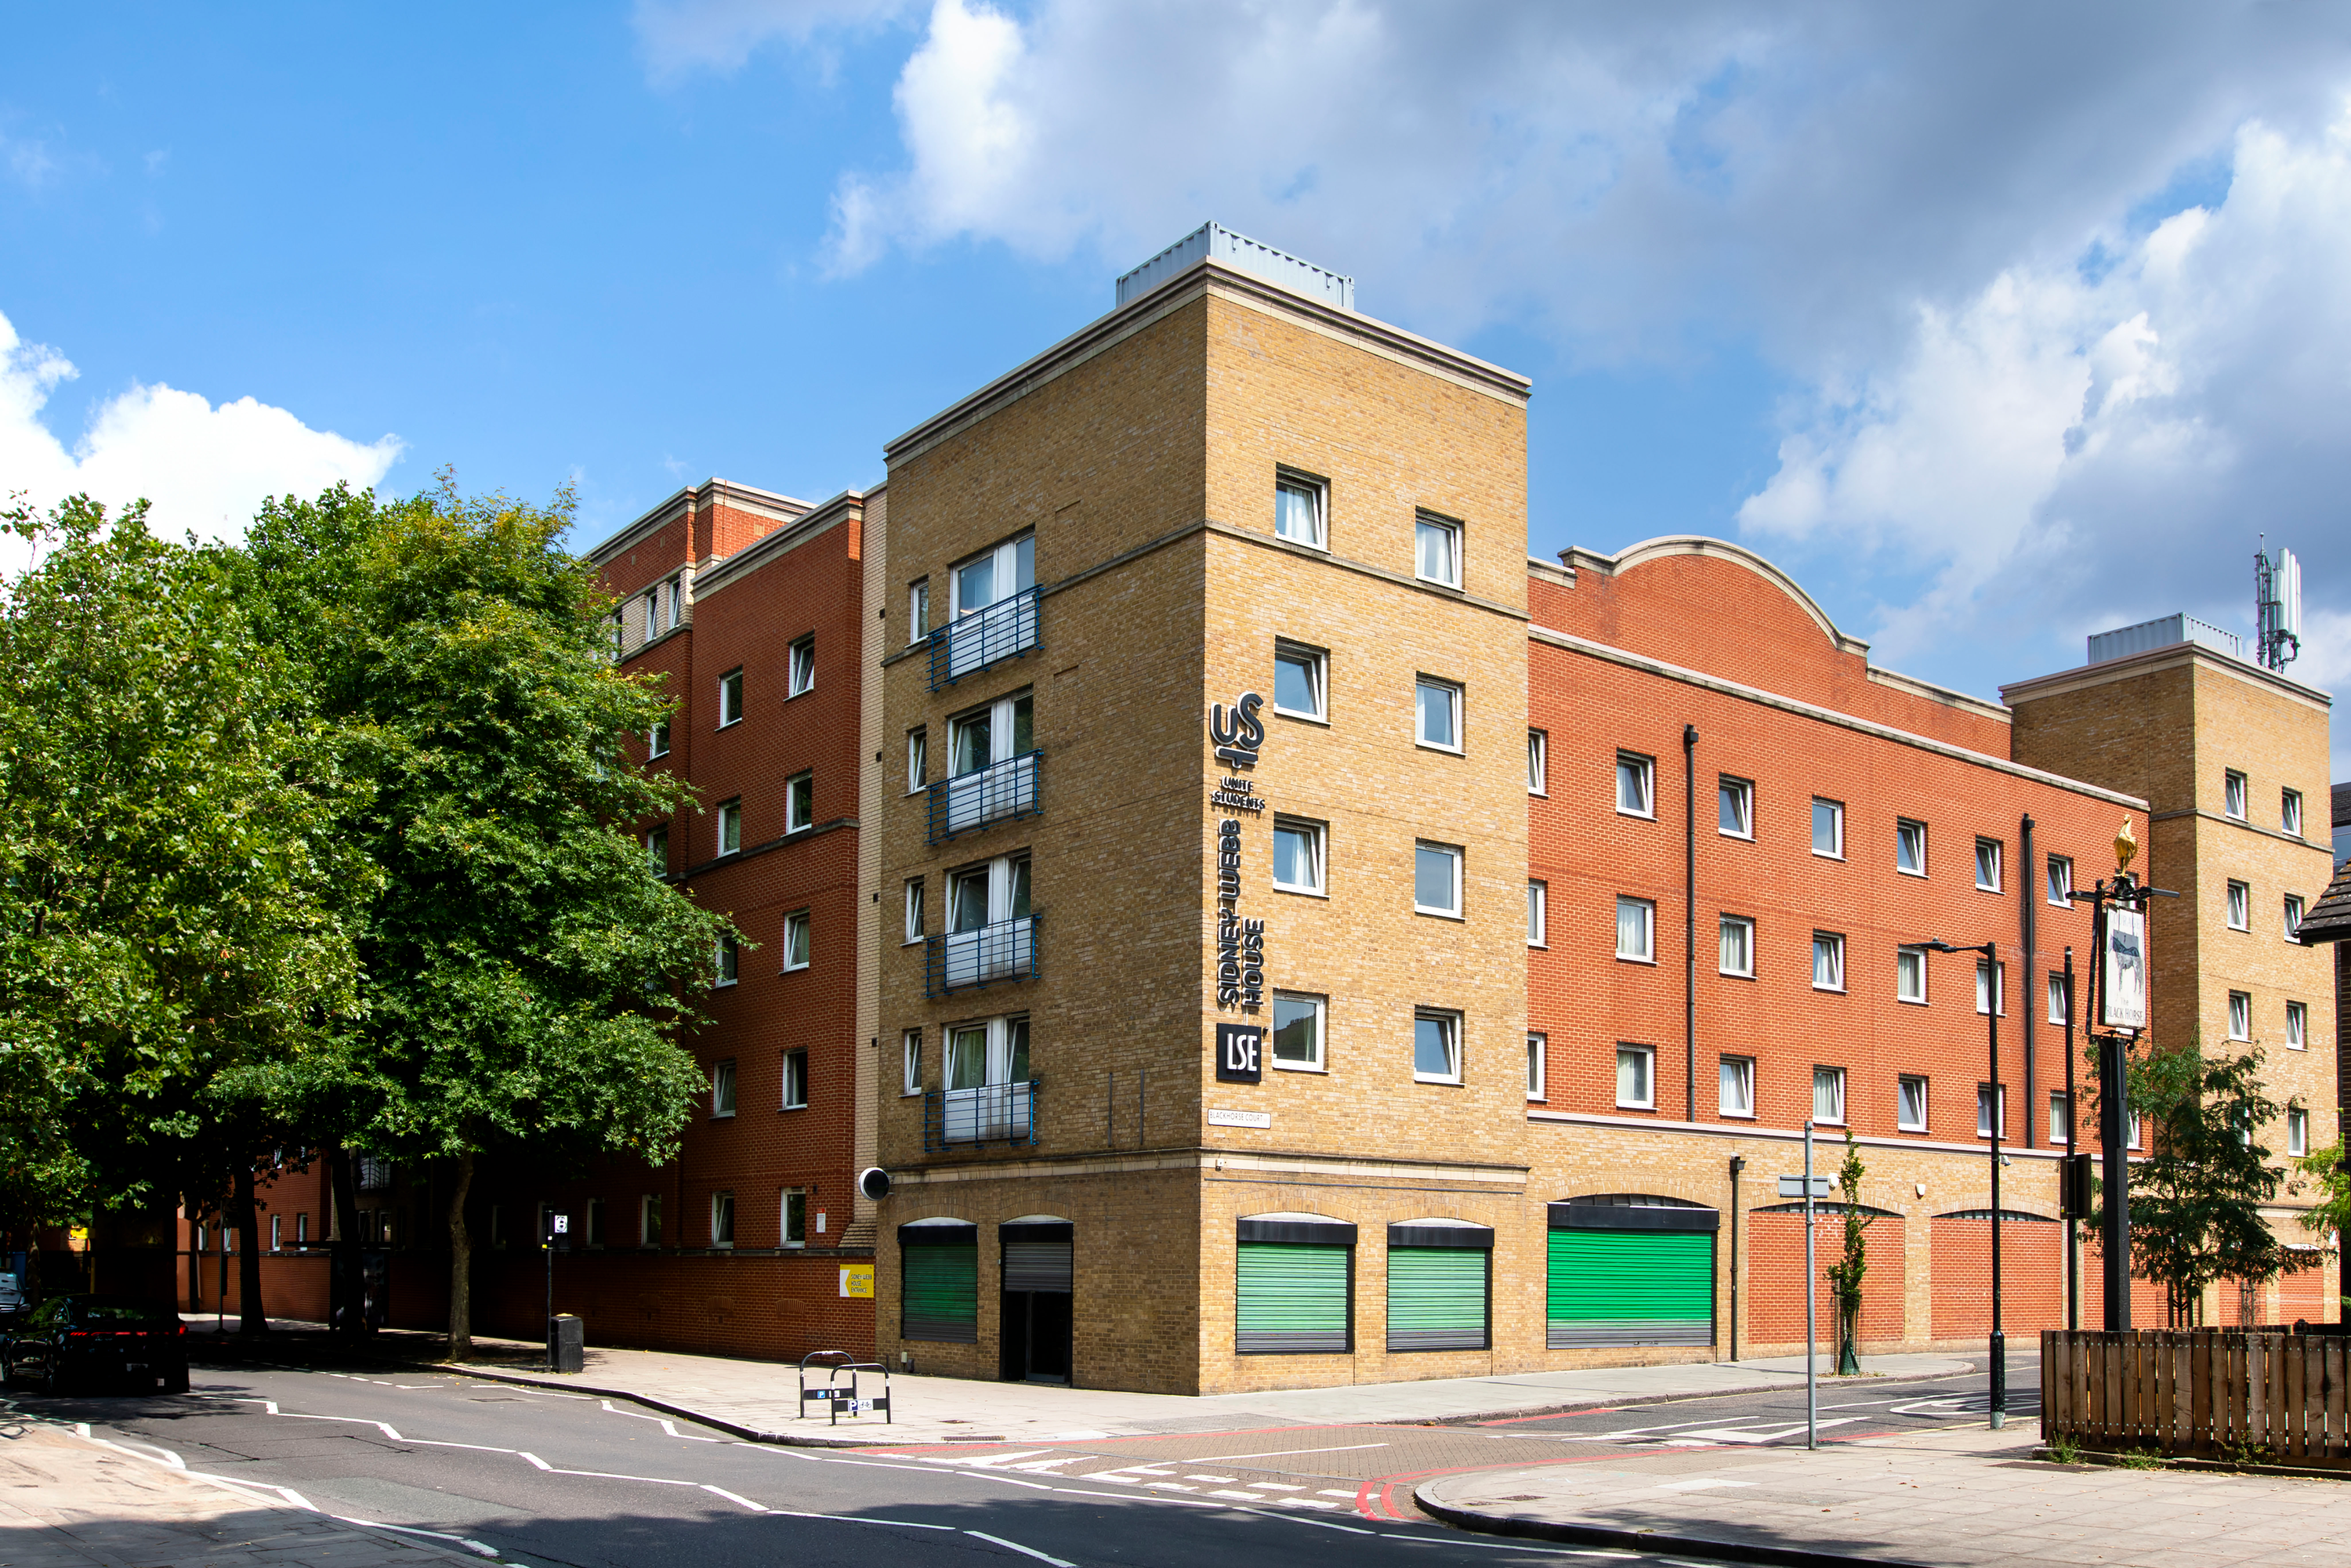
point(1167, 1486)
point(1328, 1492)
point(663, 1422)
point(1281, 1486)
point(1276, 1453)
point(534, 1459)
point(1244, 1496)
point(1735, 1434)
point(1034, 1465)
point(1024, 1551)
point(1220, 1480)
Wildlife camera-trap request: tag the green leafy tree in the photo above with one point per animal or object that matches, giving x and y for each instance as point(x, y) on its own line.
point(2331, 1214)
point(1846, 1274)
point(170, 889)
point(525, 974)
point(2196, 1199)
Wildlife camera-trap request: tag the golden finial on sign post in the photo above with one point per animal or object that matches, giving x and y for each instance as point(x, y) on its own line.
point(2125, 848)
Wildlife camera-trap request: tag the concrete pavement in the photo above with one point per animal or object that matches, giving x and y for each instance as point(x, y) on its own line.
point(1969, 1498)
point(69, 1503)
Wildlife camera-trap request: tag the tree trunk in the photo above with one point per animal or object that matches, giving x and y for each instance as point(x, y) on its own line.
point(251, 1317)
point(461, 1266)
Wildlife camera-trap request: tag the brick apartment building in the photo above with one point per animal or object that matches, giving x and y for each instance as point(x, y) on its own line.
point(1274, 934)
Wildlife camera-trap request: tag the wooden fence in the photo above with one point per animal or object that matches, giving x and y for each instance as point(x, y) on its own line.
point(2205, 1393)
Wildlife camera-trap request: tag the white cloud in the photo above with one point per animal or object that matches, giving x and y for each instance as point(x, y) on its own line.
point(2067, 452)
point(204, 468)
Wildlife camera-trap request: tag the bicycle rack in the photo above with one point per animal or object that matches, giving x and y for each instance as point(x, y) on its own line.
point(831, 1359)
point(847, 1396)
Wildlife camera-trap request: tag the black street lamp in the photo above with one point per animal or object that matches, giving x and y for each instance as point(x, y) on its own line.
point(1993, 988)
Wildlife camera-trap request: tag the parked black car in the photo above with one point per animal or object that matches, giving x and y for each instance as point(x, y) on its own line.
point(69, 1345)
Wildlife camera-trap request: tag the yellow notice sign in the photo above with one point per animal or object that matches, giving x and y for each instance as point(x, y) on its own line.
point(857, 1280)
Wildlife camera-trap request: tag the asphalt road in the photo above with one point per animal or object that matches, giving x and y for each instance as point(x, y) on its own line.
point(541, 1478)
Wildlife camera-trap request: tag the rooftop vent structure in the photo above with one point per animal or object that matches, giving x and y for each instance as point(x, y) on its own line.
point(1246, 254)
point(2125, 641)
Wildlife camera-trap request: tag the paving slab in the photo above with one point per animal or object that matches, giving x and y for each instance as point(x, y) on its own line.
point(1957, 1497)
point(66, 1502)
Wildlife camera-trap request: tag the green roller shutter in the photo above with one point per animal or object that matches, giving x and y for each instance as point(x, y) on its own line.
point(1292, 1297)
point(1437, 1297)
point(942, 1291)
point(1631, 1287)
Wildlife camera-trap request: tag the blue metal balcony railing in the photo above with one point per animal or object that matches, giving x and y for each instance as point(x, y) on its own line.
point(998, 1113)
point(997, 793)
point(972, 960)
point(984, 639)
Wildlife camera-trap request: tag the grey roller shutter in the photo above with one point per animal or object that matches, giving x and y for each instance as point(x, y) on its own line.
point(1037, 1265)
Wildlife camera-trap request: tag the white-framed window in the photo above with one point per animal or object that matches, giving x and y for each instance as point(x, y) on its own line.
point(730, 827)
point(1637, 785)
point(1991, 987)
point(994, 575)
point(2297, 1026)
point(652, 612)
point(1910, 1103)
point(2241, 906)
point(1004, 730)
point(620, 635)
point(800, 803)
point(2060, 880)
point(1828, 961)
point(918, 609)
point(1910, 847)
point(1910, 975)
point(1538, 762)
point(910, 1061)
point(1297, 854)
point(1828, 1094)
point(1300, 677)
point(1735, 1086)
point(1299, 508)
point(1636, 930)
point(989, 894)
point(302, 1229)
point(2131, 1140)
point(2061, 997)
point(801, 675)
point(1636, 1085)
point(918, 760)
point(722, 1219)
point(1538, 1047)
point(2293, 917)
point(2240, 1015)
point(914, 932)
point(1436, 879)
point(1988, 865)
point(2297, 1131)
point(1734, 808)
point(1828, 828)
point(2290, 811)
point(2232, 794)
point(796, 1081)
point(657, 851)
point(2059, 1135)
point(1298, 1032)
point(1737, 955)
point(1538, 896)
point(792, 1230)
point(276, 1239)
point(594, 1235)
point(722, 1088)
point(1437, 551)
point(657, 740)
point(1984, 1108)
point(727, 963)
point(730, 697)
point(796, 941)
point(1436, 1047)
point(649, 1220)
point(1437, 722)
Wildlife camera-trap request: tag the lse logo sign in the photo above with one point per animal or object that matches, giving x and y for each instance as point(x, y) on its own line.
point(1238, 1049)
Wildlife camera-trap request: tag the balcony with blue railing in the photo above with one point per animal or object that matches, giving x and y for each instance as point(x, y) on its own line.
point(997, 793)
point(972, 960)
point(968, 1118)
point(984, 639)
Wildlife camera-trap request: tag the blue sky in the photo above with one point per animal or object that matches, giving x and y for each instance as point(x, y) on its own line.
point(1991, 348)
